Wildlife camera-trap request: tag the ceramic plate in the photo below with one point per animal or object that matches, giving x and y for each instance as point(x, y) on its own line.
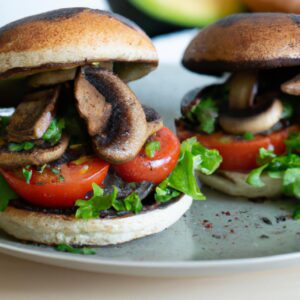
point(217, 236)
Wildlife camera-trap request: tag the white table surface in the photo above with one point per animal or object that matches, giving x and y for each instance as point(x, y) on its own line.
point(25, 280)
point(21, 279)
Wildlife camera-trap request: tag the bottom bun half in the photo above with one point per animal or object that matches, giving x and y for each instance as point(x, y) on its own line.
point(52, 229)
point(234, 184)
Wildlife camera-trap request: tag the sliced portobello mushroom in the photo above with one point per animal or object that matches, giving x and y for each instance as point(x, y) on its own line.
point(292, 87)
point(143, 189)
point(42, 153)
point(260, 119)
point(154, 120)
point(33, 116)
point(119, 128)
point(51, 78)
point(243, 87)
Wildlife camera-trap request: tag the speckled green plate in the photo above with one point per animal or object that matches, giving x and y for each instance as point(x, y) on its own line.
point(218, 236)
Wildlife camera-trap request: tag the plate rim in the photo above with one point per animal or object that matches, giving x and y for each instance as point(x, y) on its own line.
point(100, 261)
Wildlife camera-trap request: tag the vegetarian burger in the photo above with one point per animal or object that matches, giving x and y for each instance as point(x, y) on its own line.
point(82, 162)
point(252, 117)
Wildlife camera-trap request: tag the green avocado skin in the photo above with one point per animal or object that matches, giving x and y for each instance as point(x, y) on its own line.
point(155, 18)
point(150, 25)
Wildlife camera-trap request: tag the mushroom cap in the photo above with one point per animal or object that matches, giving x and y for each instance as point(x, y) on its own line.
point(246, 42)
point(71, 37)
point(289, 6)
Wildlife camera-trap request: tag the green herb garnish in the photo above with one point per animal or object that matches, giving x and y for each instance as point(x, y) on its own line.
point(151, 148)
point(205, 113)
point(285, 167)
point(6, 194)
point(61, 178)
point(288, 110)
point(89, 209)
point(4, 121)
point(54, 132)
point(193, 157)
point(26, 146)
point(293, 142)
point(55, 171)
point(296, 214)
point(70, 249)
point(133, 203)
point(248, 136)
point(27, 175)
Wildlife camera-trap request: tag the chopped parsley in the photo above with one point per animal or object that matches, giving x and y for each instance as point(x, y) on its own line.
point(55, 171)
point(61, 178)
point(205, 113)
point(54, 132)
point(293, 142)
point(70, 249)
point(27, 174)
point(89, 209)
point(151, 148)
point(133, 203)
point(248, 136)
point(26, 146)
point(6, 195)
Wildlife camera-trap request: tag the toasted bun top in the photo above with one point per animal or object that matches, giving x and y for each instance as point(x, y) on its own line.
point(246, 41)
point(71, 37)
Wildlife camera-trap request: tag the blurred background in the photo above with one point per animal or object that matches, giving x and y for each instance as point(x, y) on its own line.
point(154, 16)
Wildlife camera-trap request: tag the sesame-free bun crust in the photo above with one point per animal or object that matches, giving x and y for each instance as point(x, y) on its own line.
point(234, 184)
point(288, 6)
point(54, 229)
point(244, 42)
point(72, 37)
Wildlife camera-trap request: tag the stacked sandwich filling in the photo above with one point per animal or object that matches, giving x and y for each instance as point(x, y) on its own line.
point(77, 121)
point(253, 114)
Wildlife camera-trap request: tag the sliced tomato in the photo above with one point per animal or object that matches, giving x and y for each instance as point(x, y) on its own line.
point(239, 154)
point(156, 169)
point(51, 189)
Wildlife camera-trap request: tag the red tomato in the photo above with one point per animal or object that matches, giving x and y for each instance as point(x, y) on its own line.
point(156, 169)
point(60, 190)
point(240, 155)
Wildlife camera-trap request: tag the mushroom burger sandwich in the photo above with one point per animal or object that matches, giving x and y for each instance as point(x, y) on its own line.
point(252, 116)
point(82, 162)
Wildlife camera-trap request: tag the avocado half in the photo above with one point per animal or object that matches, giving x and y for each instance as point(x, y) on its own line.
point(188, 13)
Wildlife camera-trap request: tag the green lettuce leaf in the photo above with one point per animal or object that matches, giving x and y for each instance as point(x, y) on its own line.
point(254, 177)
point(285, 167)
point(193, 157)
point(6, 194)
